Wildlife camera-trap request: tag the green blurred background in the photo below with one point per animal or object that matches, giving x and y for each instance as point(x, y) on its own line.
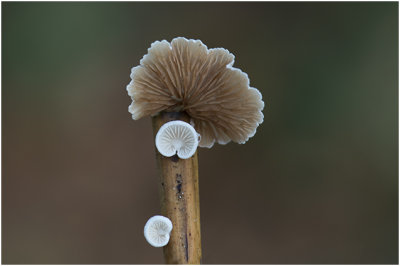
point(317, 184)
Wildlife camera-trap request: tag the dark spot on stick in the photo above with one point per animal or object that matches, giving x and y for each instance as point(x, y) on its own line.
point(179, 186)
point(173, 115)
point(186, 249)
point(175, 158)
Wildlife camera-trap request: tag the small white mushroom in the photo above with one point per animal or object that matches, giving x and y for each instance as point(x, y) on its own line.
point(177, 137)
point(157, 230)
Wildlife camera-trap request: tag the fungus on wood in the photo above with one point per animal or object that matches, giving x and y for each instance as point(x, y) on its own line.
point(157, 230)
point(185, 81)
point(177, 137)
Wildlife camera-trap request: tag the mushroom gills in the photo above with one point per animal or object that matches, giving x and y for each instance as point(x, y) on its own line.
point(177, 137)
point(157, 230)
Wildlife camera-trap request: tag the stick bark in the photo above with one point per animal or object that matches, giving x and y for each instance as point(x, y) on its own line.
point(179, 195)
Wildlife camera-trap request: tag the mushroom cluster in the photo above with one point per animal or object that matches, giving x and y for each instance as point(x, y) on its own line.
point(185, 76)
point(196, 98)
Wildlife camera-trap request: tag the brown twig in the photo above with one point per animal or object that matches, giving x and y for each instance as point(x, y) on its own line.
point(179, 195)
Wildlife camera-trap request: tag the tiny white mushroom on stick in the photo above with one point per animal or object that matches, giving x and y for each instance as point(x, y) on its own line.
point(157, 231)
point(177, 137)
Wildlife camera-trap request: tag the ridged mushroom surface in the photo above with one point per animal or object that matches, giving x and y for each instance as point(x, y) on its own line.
point(157, 230)
point(186, 76)
point(177, 137)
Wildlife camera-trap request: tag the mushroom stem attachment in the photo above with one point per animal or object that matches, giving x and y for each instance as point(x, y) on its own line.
point(179, 195)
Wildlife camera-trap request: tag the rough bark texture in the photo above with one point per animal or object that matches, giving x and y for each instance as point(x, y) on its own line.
point(179, 195)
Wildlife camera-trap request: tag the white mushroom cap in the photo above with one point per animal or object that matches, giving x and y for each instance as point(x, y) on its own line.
point(157, 230)
point(177, 137)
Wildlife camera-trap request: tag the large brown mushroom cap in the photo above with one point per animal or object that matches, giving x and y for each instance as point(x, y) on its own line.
point(186, 76)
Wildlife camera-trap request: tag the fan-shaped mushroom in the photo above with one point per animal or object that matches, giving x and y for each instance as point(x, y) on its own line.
point(157, 230)
point(177, 137)
point(185, 76)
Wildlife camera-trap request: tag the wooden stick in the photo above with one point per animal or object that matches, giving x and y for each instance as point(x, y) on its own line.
point(179, 195)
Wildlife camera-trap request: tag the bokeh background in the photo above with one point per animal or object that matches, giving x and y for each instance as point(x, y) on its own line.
point(317, 184)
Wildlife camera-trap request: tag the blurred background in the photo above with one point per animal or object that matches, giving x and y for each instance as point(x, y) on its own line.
point(317, 184)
